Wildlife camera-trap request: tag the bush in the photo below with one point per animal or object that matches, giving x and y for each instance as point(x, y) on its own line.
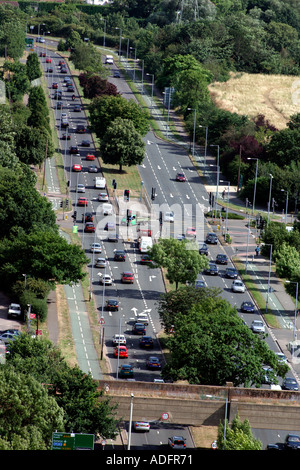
point(38, 306)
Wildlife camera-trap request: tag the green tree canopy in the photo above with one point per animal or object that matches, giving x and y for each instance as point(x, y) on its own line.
point(28, 415)
point(211, 345)
point(76, 393)
point(181, 260)
point(104, 110)
point(122, 144)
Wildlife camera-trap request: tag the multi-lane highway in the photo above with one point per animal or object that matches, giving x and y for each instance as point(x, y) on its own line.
point(187, 199)
point(135, 298)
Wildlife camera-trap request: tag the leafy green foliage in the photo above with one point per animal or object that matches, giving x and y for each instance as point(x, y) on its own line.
point(181, 260)
point(122, 144)
point(211, 345)
point(74, 392)
point(104, 110)
point(238, 436)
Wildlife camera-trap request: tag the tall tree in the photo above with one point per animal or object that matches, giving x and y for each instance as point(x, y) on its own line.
point(181, 260)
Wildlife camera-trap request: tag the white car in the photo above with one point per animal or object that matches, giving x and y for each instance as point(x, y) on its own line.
point(118, 339)
point(80, 188)
point(96, 248)
point(238, 286)
point(169, 216)
point(281, 357)
point(257, 326)
point(103, 197)
point(106, 279)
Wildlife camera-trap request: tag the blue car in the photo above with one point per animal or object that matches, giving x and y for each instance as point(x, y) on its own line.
point(153, 363)
point(247, 307)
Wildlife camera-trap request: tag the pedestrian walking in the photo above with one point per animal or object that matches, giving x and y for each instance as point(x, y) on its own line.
point(257, 250)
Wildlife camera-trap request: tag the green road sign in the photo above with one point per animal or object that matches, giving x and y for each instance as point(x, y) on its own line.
point(75, 229)
point(72, 441)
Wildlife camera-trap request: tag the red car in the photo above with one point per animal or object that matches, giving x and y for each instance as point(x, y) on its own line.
point(180, 177)
point(89, 227)
point(55, 85)
point(127, 276)
point(121, 351)
point(66, 137)
point(76, 167)
point(48, 60)
point(191, 232)
point(61, 62)
point(90, 157)
point(82, 201)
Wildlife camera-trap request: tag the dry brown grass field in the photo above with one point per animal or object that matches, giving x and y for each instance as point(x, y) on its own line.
point(277, 97)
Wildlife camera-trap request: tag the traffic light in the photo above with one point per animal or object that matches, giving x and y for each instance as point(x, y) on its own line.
point(153, 194)
point(210, 197)
point(128, 215)
point(67, 202)
point(126, 194)
point(61, 203)
point(74, 215)
point(160, 217)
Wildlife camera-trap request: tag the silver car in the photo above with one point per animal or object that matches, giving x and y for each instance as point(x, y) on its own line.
point(238, 286)
point(100, 263)
point(257, 326)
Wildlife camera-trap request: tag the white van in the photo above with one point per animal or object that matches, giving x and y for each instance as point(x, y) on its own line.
point(107, 209)
point(145, 244)
point(100, 182)
point(109, 59)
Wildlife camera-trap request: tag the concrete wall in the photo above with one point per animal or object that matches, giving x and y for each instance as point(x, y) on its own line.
point(201, 405)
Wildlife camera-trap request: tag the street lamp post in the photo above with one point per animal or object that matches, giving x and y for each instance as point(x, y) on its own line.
point(130, 421)
point(269, 205)
point(228, 189)
point(120, 43)
point(104, 32)
point(286, 204)
point(218, 175)
point(269, 277)
point(131, 48)
point(194, 131)
point(151, 75)
point(255, 182)
point(295, 314)
point(205, 147)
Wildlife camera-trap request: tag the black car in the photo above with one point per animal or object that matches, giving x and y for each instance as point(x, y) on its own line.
point(292, 441)
point(58, 95)
point(85, 143)
point(119, 255)
point(77, 108)
point(212, 239)
point(112, 304)
point(247, 307)
point(87, 217)
point(221, 259)
point(231, 273)
point(139, 329)
point(203, 250)
point(289, 383)
point(145, 259)
point(117, 74)
point(80, 129)
point(146, 342)
point(212, 269)
point(74, 150)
